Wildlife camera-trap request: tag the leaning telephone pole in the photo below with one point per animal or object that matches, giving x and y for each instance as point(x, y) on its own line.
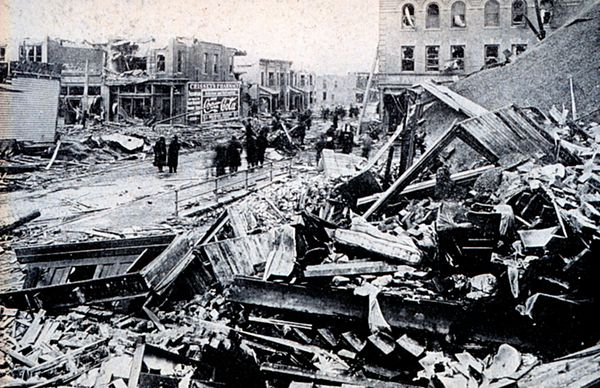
point(367, 92)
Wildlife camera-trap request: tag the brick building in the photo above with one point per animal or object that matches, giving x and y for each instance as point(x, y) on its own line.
point(152, 81)
point(446, 40)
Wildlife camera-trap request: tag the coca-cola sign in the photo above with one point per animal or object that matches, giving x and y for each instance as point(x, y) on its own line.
point(213, 101)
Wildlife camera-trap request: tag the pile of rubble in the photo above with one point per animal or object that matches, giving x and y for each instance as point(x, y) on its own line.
point(323, 278)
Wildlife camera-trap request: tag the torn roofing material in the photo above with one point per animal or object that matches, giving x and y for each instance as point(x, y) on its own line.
point(508, 130)
point(453, 99)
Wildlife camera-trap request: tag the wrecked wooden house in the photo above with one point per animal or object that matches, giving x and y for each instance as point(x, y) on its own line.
point(124, 273)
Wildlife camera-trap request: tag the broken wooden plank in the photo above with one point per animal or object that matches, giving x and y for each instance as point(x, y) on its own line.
point(421, 188)
point(18, 357)
point(136, 366)
point(349, 269)
point(86, 351)
point(426, 159)
point(54, 155)
point(364, 236)
point(281, 260)
point(34, 329)
point(10, 223)
point(161, 272)
point(324, 377)
point(410, 345)
point(280, 322)
point(111, 289)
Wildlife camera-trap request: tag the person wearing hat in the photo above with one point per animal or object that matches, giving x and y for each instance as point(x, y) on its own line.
point(173, 155)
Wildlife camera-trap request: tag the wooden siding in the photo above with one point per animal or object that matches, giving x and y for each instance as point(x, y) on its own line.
point(28, 109)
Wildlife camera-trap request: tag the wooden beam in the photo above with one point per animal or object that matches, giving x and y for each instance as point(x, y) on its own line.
point(431, 316)
point(349, 269)
point(136, 366)
point(11, 224)
point(367, 92)
point(53, 155)
point(18, 357)
point(294, 372)
point(428, 157)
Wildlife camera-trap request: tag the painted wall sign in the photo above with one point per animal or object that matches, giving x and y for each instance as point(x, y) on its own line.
point(209, 102)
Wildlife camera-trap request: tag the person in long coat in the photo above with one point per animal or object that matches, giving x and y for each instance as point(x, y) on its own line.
point(220, 158)
point(173, 155)
point(250, 145)
point(261, 146)
point(233, 154)
point(160, 154)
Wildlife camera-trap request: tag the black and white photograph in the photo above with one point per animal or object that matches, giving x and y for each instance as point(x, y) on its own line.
point(299, 193)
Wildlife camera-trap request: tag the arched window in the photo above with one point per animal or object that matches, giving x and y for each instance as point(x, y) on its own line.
point(459, 13)
point(519, 11)
point(433, 16)
point(408, 16)
point(491, 13)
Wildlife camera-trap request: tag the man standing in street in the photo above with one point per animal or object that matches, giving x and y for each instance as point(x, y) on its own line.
point(160, 153)
point(250, 145)
point(233, 154)
point(173, 155)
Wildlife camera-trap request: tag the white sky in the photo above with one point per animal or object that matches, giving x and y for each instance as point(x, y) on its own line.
point(329, 36)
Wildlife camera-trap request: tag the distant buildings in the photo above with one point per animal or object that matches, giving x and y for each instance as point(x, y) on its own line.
point(268, 82)
point(123, 79)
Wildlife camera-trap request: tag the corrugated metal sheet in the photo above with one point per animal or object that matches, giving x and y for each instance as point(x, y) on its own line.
point(28, 112)
point(509, 131)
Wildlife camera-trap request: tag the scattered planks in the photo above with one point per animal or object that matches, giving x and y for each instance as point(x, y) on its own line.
point(10, 223)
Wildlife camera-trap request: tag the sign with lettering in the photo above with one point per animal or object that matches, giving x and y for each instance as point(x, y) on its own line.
point(210, 102)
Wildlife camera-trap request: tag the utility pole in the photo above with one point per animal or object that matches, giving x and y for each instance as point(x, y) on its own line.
point(367, 92)
point(86, 84)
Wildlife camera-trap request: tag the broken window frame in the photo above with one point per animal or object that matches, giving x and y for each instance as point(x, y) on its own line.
point(161, 66)
point(491, 14)
point(231, 65)
point(432, 16)
point(215, 63)
point(432, 58)
point(460, 60)
point(457, 14)
point(407, 63)
point(180, 61)
point(205, 63)
point(407, 16)
point(518, 48)
point(490, 48)
point(302, 80)
point(271, 79)
point(518, 13)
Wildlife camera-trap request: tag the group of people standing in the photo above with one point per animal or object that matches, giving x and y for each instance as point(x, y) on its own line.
point(228, 155)
point(256, 145)
point(164, 156)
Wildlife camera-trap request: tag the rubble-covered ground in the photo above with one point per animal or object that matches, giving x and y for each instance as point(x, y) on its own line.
point(459, 283)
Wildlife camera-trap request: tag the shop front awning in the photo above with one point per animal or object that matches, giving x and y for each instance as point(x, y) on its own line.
point(266, 90)
point(296, 90)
